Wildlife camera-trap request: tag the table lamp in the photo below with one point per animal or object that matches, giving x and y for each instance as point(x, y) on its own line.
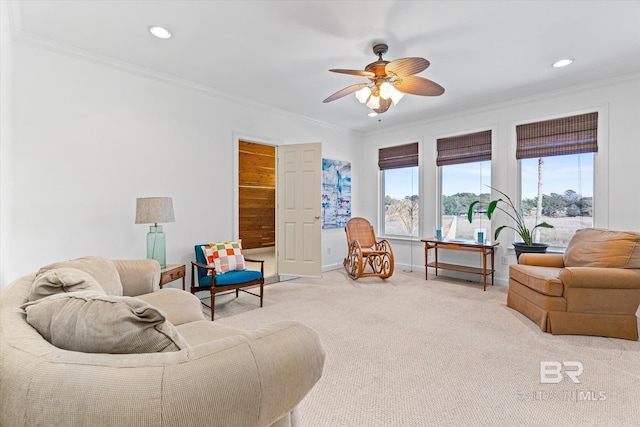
point(154, 210)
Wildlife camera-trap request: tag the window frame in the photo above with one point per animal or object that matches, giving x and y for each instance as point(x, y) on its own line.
point(440, 209)
point(518, 202)
point(381, 229)
point(601, 213)
point(439, 180)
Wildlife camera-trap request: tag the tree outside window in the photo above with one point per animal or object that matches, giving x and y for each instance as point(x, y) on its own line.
point(461, 185)
point(400, 190)
point(465, 172)
point(557, 174)
point(558, 190)
point(401, 202)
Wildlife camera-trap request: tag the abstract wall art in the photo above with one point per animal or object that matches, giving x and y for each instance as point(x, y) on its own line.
point(336, 193)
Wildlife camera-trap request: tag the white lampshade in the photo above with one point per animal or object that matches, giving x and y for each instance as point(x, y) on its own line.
point(397, 96)
point(386, 90)
point(374, 102)
point(154, 210)
point(363, 94)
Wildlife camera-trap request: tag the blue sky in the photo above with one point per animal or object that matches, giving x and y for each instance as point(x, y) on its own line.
point(560, 175)
point(398, 181)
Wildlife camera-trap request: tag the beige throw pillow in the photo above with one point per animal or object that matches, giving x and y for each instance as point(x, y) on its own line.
point(92, 322)
point(61, 280)
point(102, 269)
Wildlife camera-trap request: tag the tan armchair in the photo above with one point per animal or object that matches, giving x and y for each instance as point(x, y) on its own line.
point(591, 289)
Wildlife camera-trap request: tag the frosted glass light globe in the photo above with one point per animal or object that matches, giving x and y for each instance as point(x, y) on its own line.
point(363, 94)
point(386, 90)
point(374, 102)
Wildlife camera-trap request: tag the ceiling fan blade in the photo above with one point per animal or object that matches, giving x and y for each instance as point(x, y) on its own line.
point(346, 91)
point(355, 72)
point(418, 86)
point(384, 105)
point(406, 66)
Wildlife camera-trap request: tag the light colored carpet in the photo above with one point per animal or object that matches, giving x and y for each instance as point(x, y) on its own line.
point(410, 352)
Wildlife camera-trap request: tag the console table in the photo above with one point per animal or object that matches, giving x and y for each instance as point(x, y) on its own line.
point(486, 249)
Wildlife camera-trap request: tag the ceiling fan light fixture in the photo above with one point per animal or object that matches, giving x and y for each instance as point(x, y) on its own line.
point(160, 32)
point(388, 81)
point(374, 102)
point(363, 94)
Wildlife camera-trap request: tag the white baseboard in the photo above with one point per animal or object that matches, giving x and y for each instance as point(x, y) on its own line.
point(330, 267)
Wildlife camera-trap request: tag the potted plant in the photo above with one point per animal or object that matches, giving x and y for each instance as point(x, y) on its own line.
point(527, 244)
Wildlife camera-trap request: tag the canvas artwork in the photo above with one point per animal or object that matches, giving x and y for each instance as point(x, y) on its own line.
point(336, 193)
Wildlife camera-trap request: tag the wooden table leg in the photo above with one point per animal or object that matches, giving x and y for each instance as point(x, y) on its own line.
point(426, 261)
point(493, 264)
point(484, 268)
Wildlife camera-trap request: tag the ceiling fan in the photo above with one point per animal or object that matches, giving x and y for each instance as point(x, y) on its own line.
point(389, 81)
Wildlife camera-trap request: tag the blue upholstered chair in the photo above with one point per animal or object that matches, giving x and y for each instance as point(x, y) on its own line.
point(216, 283)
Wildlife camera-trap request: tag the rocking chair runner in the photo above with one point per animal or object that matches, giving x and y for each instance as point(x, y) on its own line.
point(365, 251)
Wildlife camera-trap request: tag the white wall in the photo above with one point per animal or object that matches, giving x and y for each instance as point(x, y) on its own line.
point(6, 90)
point(89, 138)
point(617, 199)
point(82, 140)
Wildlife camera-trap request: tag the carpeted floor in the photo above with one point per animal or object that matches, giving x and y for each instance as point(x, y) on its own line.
point(410, 352)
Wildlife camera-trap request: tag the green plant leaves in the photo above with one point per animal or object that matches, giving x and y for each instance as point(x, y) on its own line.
point(513, 213)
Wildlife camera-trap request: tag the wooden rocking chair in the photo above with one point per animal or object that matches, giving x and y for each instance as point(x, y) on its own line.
point(367, 256)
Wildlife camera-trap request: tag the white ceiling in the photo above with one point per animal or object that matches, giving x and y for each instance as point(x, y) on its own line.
point(278, 53)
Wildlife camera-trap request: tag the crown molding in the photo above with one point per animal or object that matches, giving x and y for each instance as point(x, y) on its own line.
point(21, 36)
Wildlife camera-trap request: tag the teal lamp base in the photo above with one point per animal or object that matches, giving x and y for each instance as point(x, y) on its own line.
point(156, 245)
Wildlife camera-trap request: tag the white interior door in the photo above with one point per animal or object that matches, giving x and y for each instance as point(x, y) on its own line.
point(299, 226)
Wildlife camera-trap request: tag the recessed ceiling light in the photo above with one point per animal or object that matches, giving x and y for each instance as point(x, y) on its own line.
point(562, 63)
point(372, 114)
point(160, 32)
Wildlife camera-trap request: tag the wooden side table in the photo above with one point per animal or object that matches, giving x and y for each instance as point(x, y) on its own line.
point(172, 272)
point(486, 249)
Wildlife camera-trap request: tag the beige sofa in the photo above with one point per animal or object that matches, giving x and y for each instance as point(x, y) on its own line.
point(193, 373)
point(591, 289)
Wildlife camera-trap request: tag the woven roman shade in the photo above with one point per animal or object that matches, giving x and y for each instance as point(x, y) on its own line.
point(400, 156)
point(471, 147)
point(567, 135)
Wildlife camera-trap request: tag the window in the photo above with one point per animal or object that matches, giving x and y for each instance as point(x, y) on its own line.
point(465, 173)
point(400, 190)
point(557, 175)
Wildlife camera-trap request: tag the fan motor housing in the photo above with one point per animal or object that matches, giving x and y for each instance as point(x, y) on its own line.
point(377, 67)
